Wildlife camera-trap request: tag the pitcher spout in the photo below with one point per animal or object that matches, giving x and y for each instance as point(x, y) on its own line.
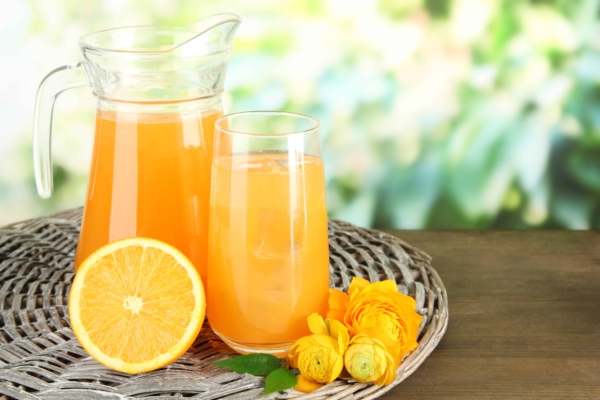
point(213, 34)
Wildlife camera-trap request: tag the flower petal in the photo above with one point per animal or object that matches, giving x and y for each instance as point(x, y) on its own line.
point(317, 325)
point(337, 368)
point(305, 385)
point(340, 333)
point(336, 315)
point(381, 287)
point(338, 300)
point(357, 284)
point(324, 341)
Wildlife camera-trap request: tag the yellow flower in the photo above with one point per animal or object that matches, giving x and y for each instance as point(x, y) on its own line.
point(320, 357)
point(379, 311)
point(367, 360)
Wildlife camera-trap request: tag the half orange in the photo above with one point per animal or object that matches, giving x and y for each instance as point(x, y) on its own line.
point(136, 305)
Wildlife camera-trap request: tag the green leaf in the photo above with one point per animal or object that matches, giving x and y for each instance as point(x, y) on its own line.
point(254, 364)
point(280, 379)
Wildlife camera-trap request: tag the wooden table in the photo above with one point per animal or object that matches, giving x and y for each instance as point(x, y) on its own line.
point(524, 316)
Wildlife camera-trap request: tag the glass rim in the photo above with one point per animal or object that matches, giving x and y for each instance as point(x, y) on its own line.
point(85, 43)
point(315, 123)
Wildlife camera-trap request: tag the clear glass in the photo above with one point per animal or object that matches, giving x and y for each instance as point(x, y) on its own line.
point(268, 263)
point(158, 90)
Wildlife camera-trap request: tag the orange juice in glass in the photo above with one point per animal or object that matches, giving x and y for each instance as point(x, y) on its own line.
point(150, 177)
point(268, 264)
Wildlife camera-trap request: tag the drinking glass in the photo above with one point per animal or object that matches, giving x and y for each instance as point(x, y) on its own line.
point(268, 263)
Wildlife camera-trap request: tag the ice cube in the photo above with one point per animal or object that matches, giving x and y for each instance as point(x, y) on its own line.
point(298, 162)
point(254, 163)
point(282, 165)
point(279, 235)
point(277, 295)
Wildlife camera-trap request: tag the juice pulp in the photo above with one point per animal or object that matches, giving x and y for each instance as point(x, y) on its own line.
point(268, 264)
point(150, 177)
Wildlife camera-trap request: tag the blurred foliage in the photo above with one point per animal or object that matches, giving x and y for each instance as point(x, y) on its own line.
point(435, 114)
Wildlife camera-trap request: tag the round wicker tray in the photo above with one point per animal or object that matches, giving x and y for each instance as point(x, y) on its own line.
point(41, 359)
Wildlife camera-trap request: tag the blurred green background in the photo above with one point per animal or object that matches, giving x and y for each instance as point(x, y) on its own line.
point(435, 114)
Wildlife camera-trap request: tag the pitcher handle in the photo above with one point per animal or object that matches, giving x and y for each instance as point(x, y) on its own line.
point(57, 81)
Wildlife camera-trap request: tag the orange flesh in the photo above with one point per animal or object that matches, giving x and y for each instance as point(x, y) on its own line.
point(162, 302)
point(136, 308)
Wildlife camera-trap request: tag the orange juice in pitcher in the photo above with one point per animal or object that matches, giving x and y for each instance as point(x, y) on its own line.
point(150, 177)
point(159, 94)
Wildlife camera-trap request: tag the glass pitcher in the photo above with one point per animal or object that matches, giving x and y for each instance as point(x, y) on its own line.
point(159, 94)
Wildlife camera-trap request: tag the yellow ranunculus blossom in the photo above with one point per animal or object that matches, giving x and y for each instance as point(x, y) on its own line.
point(367, 360)
point(379, 311)
point(320, 356)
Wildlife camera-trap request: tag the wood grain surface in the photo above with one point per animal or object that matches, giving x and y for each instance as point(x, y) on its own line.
point(524, 316)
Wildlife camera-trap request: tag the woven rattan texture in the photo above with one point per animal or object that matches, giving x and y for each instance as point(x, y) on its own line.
point(41, 359)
